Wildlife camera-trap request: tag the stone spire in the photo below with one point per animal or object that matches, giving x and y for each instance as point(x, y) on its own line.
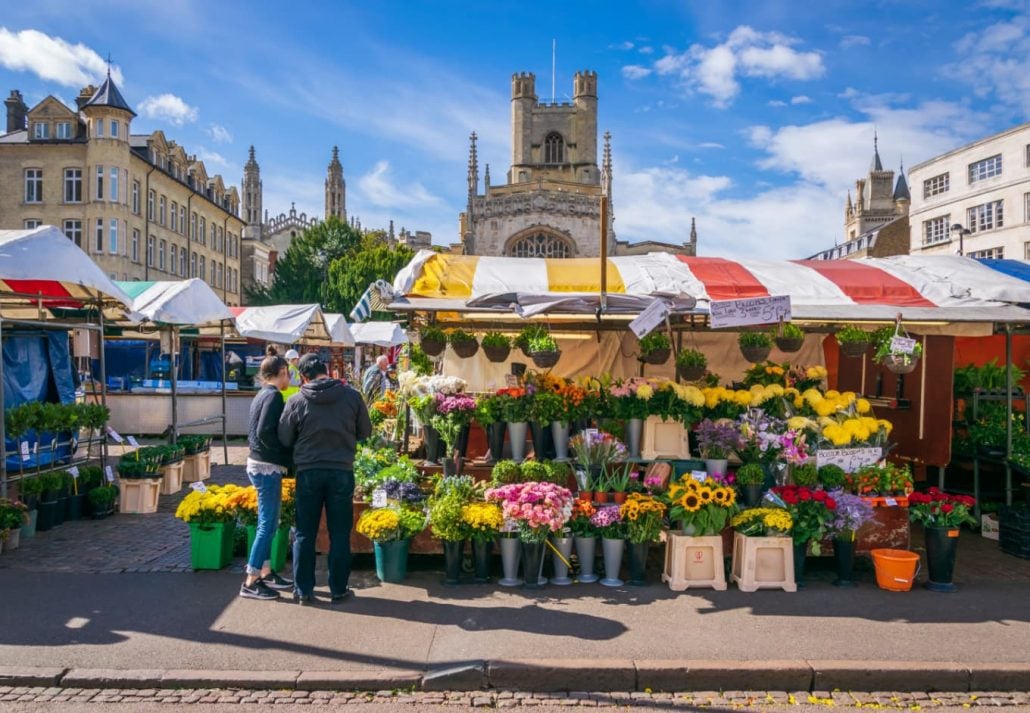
point(877, 165)
point(606, 166)
point(473, 175)
point(693, 230)
point(252, 190)
point(901, 191)
point(486, 178)
point(335, 189)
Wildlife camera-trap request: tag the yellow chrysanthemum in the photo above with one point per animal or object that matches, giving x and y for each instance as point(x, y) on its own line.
point(645, 392)
point(825, 408)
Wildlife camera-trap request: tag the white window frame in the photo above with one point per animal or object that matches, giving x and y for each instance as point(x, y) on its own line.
point(162, 248)
point(150, 251)
point(98, 128)
point(33, 181)
point(31, 223)
point(114, 128)
point(100, 183)
point(112, 239)
point(182, 261)
point(151, 201)
point(985, 168)
point(173, 214)
point(112, 188)
point(73, 185)
point(134, 245)
point(162, 210)
point(937, 231)
point(937, 185)
point(41, 130)
point(64, 130)
point(73, 230)
point(135, 197)
point(98, 236)
point(986, 216)
point(173, 258)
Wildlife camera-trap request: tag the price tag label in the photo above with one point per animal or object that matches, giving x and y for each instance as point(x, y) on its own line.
point(24, 448)
point(115, 436)
point(74, 472)
point(891, 502)
point(755, 310)
point(199, 487)
point(132, 441)
point(35, 448)
point(699, 475)
point(109, 474)
point(903, 345)
point(649, 319)
point(849, 459)
point(379, 498)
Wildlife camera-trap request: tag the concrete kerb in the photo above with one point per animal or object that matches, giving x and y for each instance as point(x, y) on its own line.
point(565, 675)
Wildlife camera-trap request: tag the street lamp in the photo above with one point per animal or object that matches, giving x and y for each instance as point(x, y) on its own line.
point(962, 233)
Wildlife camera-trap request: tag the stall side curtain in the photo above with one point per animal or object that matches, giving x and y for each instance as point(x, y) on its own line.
point(210, 366)
point(124, 359)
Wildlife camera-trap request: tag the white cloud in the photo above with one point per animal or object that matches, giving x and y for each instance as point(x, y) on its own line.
point(211, 158)
point(624, 46)
point(379, 188)
point(716, 70)
point(776, 102)
point(52, 58)
point(168, 107)
point(635, 71)
point(219, 134)
point(800, 99)
point(710, 145)
point(646, 49)
point(849, 41)
point(996, 61)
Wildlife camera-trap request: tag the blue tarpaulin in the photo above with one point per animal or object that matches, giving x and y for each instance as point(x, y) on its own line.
point(1013, 268)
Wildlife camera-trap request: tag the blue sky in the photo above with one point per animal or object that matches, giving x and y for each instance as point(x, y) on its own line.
point(755, 117)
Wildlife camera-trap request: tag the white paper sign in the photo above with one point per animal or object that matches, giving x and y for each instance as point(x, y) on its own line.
point(379, 498)
point(757, 310)
point(73, 472)
point(199, 487)
point(115, 435)
point(699, 475)
point(849, 459)
point(891, 502)
point(132, 442)
point(649, 319)
point(109, 473)
point(902, 345)
point(24, 447)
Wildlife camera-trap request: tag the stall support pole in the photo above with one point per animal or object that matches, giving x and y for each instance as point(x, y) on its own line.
point(225, 438)
point(1008, 421)
point(604, 254)
point(103, 380)
point(173, 347)
point(3, 431)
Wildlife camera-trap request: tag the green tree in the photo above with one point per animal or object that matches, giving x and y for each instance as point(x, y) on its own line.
point(300, 272)
point(351, 275)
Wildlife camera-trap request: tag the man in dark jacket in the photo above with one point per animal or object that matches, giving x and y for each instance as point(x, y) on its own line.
point(323, 424)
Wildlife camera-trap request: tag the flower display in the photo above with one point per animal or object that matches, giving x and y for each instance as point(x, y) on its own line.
point(245, 502)
point(886, 479)
point(580, 521)
point(794, 447)
point(288, 514)
point(760, 440)
point(451, 413)
point(703, 508)
point(811, 510)
point(390, 524)
point(607, 520)
point(763, 522)
point(482, 520)
point(642, 516)
point(852, 512)
point(596, 448)
point(537, 508)
point(935, 508)
point(208, 506)
point(716, 439)
point(515, 403)
point(403, 491)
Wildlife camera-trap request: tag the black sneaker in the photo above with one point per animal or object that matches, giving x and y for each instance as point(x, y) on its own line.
point(345, 594)
point(274, 581)
point(305, 600)
point(258, 590)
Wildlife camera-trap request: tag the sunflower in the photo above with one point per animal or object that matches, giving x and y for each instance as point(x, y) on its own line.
point(706, 495)
point(691, 502)
point(731, 497)
point(719, 496)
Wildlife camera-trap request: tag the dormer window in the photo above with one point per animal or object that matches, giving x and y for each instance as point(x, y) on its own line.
point(554, 148)
point(64, 130)
point(41, 131)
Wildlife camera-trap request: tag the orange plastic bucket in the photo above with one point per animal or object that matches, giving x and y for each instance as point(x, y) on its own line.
point(896, 570)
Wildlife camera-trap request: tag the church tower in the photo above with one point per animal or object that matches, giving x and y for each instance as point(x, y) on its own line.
point(335, 189)
point(252, 213)
point(877, 200)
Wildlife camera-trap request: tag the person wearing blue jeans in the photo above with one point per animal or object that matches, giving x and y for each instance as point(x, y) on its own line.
point(267, 462)
point(323, 424)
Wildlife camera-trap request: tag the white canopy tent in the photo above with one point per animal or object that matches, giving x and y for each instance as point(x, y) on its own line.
point(379, 334)
point(289, 324)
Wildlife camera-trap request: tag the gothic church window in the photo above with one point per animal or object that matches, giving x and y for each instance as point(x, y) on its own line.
point(554, 148)
point(539, 245)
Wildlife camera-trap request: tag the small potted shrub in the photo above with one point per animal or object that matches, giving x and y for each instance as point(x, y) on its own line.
point(755, 346)
point(463, 343)
point(691, 364)
point(806, 475)
point(197, 465)
point(790, 338)
point(141, 483)
point(750, 478)
point(854, 342)
point(528, 332)
point(832, 477)
point(496, 346)
point(897, 361)
point(102, 499)
point(655, 348)
point(506, 472)
point(534, 471)
point(433, 340)
point(543, 350)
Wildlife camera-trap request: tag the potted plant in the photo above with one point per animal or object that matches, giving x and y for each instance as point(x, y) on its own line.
point(941, 514)
point(789, 338)
point(832, 477)
point(197, 464)
point(452, 413)
point(593, 450)
point(102, 499)
point(543, 350)
point(446, 521)
point(755, 346)
point(140, 483)
point(715, 441)
point(811, 511)
point(29, 490)
point(609, 525)
point(496, 346)
point(13, 516)
point(642, 515)
point(490, 415)
point(391, 530)
point(51, 485)
point(892, 356)
point(854, 342)
point(545, 410)
point(585, 538)
point(538, 510)
point(171, 459)
point(691, 364)
point(694, 557)
point(212, 521)
point(482, 522)
point(515, 405)
point(534, 471)
point(618, 477)
point(763, 553)
point(506, 472)
point(750, 478)
point(851, 514)
point(463, 343)
point(805, 474)
point(432, 340)
point(655, 348)
point(529, 332)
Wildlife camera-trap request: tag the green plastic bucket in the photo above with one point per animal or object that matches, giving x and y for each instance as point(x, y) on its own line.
point(211, 545)
point(280, 545)
point(392, 561)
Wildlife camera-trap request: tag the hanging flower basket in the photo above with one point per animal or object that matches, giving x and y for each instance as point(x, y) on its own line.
point(755, 355)
point(465, 349)
point(658, 356)
point(789, 345)
point(691, 373)
point(545, 359)
point(434, 347)
point(854, 350)
point(900, 363)
point(497, 354)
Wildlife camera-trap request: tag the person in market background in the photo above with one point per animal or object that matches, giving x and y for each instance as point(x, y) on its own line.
point(324, 424)
point(293, 358)
point(376, 379)
point(267, 462)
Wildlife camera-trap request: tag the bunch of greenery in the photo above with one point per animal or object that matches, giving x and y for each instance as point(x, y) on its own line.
point(527, 334)
point(547, 407)
point(789, 330)
point(432, 333)
point(754, 339)
point(460, 336)
point(165, 455)
point(505, 472)
point(750, 474)
point(832, 477)
point(194, 444)
point(421, 364)
point(495, 339)
point(449, 496)
point(691, 358)
point(850, 334)
point(543, 343)
point(534, 471)
point(373, 467)
point(132, 466)
point(102, 496)
point(806, 475)
point(653, 342)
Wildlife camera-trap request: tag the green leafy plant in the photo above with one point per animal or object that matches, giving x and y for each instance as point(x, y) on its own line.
point(130, 467)
point(421, 364)
point(750, 474)
point(832, 477)
point(12, 514)
point(884, 348)
point(653, 342)
point(543, 343)
point(194, 443)
point(165, 455)
point(505, 472)
point(547, 407)
point(460, 336)
point(90, 477)
point(754, 339)
point(806, 474)
point(534, 471)
point(558, 473)
point(691, 358)
point(30, 487)
point(495, 340)
point(449, 496)
point(789, 330)
point(528, 333)
point(432, 333)
point(95, 416)
point(102, 497)
point(850, 334)
point(618, 476)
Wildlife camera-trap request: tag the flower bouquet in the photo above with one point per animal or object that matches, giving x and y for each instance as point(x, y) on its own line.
point(702, 509)
point(642, 516)
point(716, 439)
point(538, 509)
point(941, 514)
point(482, 522)
point(451, 413)
point(759, 437)
point(763, 522)
point(629, 399)
point(811, 510)
point(391, 530)
point(851, 514)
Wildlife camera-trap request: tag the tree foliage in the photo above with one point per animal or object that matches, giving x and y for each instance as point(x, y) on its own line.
point(351, 275)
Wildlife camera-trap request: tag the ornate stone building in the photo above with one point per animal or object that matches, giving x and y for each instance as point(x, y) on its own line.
point(138, 204)
point(550, 205)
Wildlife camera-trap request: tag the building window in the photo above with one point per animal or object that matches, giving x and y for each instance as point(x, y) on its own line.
point(135, 246)
point(114, 129)
point(41, 131)
point(218, 274)
point(33, 185)
point(31, 223)
point(182, 220)
point(554, 148)
point(174, 215)
point(73, 185)
point(113, 188)
point(135, 197)
point(150, 251)
point(193, 265)
point(173, 259)
point(985, 168)
point(1026, 251)
point(161, 210)
point(1028, 155)
point(161, 248)
point(100, 183)
point(182, 262)
point(539, 245)
point(203, 269)
point(989, 254)
point(936, 230)
point(986, 216)
point(73, 229)
point(193, 227)
point(151, 197)
point(114, 236)
point(936, 185)
point(98, 243)
point(64, 130)
point(98, 128)
point(1026, 207)
point(203, 231)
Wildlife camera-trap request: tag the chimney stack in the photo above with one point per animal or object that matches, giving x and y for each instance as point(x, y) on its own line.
point(16, 111)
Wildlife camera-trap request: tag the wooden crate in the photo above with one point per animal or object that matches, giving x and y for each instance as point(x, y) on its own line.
point(693, 562)
point(138, 496)
point(763, 563)
point(197, 467)
point(666, 440)
point(171, 478)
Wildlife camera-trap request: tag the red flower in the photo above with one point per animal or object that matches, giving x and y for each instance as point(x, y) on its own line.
point(804, 495)
point(947, 508)
point(831, 504)
point(819, 495)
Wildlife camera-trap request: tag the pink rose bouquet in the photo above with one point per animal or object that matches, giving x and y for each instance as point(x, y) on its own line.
point(538, 508)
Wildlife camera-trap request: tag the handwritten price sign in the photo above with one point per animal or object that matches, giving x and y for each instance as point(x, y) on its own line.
point(758, 310)
point(849, 459)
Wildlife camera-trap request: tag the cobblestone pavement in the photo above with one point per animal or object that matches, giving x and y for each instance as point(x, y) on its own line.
point(509, 699)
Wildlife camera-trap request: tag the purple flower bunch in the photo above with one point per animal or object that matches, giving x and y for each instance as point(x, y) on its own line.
point(795, 447)
point(716, 439)
point(403, 492)
point(852, 512)
point(759, 437)
point(608, 521)
point(457, 404)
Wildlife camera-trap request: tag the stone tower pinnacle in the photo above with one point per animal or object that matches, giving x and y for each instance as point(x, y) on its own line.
point(335, 189)
point(473, 174)
point(693, 230)
point(877, 165)
point(252, 190)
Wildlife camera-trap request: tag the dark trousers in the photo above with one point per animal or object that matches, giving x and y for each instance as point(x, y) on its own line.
point(333, 490)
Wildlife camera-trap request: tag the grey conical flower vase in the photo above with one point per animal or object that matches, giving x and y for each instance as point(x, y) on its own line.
point(634, 432)
point(612, 549)
point(561, 568)
point(586, 548)
point(511, 553)
point(517, 438)
point(560, 435)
